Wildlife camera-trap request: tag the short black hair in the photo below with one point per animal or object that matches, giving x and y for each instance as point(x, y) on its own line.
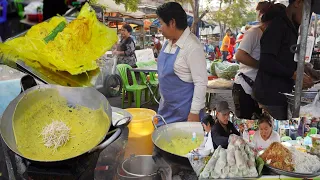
point(228, 30)
point(153, 35)
point(273, 12)
point(173, 10)
point(265, 118)
point(291, 1)
point(128, 28)
point(208, 119)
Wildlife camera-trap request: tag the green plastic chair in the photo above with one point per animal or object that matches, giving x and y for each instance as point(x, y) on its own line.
point(299, 138)
point(130, 89)
point(313, 130)
point(285, 139)
point(153, 79)
point(19, 5)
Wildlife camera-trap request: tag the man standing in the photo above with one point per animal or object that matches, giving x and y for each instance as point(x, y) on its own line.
point(277, 68)
point(225, 45)
point(181, 68)
point(157, 45)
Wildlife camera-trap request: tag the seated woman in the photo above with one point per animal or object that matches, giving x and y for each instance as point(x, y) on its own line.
point(303, 127)
point(222, 128)
point(265, 135)
point(207, 122)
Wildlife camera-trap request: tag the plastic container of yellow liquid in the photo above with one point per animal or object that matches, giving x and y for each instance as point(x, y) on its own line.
point(140, 131)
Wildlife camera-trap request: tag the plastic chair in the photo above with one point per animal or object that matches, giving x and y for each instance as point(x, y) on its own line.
point(299, 138)
point(135, 88)
point(3, 16)
point(20, 9)
point(313, 130)
point(153, 79)
point(285, 139)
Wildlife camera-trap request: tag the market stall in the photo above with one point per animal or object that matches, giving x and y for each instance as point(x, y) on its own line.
point(176, 145)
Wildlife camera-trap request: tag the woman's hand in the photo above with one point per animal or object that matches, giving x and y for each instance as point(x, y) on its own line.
point(115, 52)
point(193, 117)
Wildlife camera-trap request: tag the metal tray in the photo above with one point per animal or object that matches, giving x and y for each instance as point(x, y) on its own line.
point(292, 174)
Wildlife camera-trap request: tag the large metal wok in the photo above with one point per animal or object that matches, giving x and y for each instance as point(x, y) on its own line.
point(87, 97)
point(180, 129)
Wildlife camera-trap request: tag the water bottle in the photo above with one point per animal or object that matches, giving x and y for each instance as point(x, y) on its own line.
point(194, 136)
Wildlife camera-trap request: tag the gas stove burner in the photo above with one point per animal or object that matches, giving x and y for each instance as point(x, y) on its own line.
point(38, 173)
point(79, 168)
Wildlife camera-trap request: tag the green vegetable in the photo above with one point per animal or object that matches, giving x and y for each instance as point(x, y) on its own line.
point(213, 66)
point(55, 32)
point(260, 164)
point(226, 70)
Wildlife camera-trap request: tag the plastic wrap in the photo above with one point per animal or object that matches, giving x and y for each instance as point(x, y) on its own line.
point(211, 164)
point(311, 110)
point(213, 66)
point(226, 70)
point(222, 161)
point(220, 83)
point(240, 161)
point(230, 157)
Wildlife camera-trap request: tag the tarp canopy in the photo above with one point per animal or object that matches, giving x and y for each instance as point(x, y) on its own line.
point(316, 7)
point(111, 6)
point(253, 23)
point(189, 20)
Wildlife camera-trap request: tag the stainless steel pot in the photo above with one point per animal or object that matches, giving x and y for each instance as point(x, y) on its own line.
point(141, 167)
point(168, 131)
point(87, 97)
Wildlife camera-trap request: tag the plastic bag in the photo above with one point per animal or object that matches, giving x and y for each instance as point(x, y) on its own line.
point(74, 50)
point(311, 110)
point(32, 8)
point(220, 84)
point(226, 70)
point(213, 66)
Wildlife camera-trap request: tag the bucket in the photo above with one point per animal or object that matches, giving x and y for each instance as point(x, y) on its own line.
point(315, 141)
point(140, 131)
point(140, 167)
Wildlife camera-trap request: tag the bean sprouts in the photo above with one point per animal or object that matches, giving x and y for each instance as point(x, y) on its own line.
point(55, 134)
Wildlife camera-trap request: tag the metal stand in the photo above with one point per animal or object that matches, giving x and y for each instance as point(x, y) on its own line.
point(302, 54)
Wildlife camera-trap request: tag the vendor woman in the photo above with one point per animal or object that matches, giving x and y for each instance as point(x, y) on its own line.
point(222, 128)
point(181, 68)
point(265, 135)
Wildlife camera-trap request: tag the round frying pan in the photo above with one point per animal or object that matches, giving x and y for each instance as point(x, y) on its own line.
point(85, 97)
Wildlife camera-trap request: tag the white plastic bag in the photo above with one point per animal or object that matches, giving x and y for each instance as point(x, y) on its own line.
point(226, 70)
point(311, 110)
point(220, 83)
point(32, 8)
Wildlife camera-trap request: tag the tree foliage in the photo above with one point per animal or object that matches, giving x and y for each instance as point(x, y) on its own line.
point(195, 9)
point(131, 5)
point(232, 14)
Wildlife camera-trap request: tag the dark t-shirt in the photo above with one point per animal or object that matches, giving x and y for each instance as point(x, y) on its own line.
point(53, 7)
point(129, 57)
point(220, 136)
point(277, 64)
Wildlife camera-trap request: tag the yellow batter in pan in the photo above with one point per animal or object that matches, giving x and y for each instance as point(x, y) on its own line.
point(88, 128)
